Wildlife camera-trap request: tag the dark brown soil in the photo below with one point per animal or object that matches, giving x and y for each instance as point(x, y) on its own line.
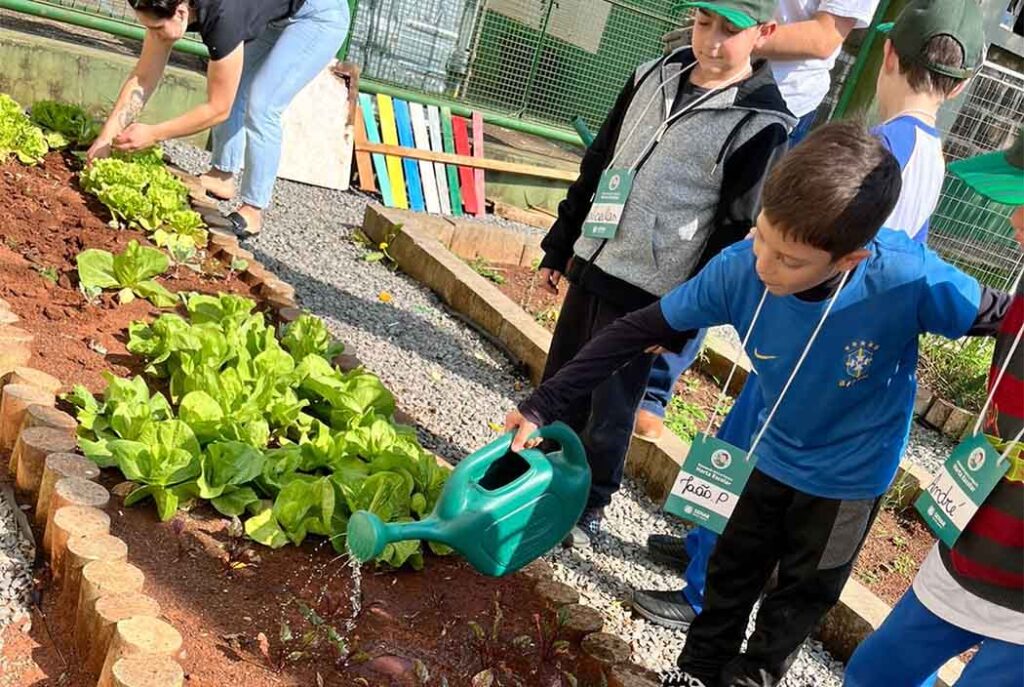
point(523, 287)
point(45, 222)
point(406, 616)
point(892, 554)
point(232, 599)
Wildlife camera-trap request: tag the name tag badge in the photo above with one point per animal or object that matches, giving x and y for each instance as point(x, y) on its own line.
point(609, 202)
point(965, 481)
point(710, 483)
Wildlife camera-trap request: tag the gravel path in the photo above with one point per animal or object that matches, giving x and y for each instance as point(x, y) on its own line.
point(16, 555)
point(457, 386)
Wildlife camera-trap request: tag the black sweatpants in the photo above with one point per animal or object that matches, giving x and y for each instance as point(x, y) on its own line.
point(604, 421)
point(813, 540)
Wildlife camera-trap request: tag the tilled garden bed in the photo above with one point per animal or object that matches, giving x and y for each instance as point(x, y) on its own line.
point(245, 613)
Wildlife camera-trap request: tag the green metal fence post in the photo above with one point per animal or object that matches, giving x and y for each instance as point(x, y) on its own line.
point(535, 62)
point(353, 10)
point(862, 59)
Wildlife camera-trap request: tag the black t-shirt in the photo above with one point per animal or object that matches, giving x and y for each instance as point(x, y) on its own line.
point(686, 94)
point(226, 24)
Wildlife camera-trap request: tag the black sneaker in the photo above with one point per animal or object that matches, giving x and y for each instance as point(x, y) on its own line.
point(669, 551)
point(677, 678)
point(586, 529)
point(668, 609)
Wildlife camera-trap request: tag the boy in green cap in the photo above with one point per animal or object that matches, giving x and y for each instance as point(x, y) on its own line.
point(973, 593)
point(673, 178)
point(931, 51)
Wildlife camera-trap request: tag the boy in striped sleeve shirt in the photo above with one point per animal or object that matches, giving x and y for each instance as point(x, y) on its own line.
point(972, 593)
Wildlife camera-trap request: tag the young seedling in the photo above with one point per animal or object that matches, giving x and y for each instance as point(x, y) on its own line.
point(481, 267)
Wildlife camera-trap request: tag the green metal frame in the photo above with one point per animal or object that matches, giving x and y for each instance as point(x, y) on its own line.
point(863, 55)
point(193, 47)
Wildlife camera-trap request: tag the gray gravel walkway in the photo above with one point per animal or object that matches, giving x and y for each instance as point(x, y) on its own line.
point(16, 555)
point(457, 386)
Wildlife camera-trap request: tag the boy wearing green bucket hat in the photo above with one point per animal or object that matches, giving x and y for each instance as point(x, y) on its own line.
point(973, 593)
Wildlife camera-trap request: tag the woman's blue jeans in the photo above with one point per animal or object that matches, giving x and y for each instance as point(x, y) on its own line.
point(278, 64)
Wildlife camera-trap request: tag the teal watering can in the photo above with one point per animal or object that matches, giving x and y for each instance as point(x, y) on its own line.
point(499, 509)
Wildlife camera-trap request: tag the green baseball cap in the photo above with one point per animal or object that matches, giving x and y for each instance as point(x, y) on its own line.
point(742, 14)
point(998, 176)
point(922, 20)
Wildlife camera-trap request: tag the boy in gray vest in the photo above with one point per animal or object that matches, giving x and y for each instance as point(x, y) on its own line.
point(673, 178)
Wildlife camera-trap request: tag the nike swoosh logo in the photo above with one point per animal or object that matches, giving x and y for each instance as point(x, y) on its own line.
point(761, 356)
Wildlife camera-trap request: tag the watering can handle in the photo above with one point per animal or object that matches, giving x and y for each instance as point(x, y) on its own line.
point(572, 447)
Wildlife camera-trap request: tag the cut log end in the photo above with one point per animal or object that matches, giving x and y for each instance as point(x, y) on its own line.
point(578, 621)
point(57, 467)
point(606, 649)
point(100, 579)
point(538, 571)
point(75, 491)
point(630, 675)
point(48, 416)
point(15, 401)
point(81, 551)
point(36, 378)
point(146, 671)
point(140, 637)
point(109, 611)
point(31, 449)
point(71, 522)
point(71, 491)
point(12, 356)
point(556, 594)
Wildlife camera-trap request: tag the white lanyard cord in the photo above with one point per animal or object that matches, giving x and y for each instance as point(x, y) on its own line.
point(658, 94)
point(664, 125)
point(1004, 367)
point(1010, 446)
point(735, 364)
point(799, 364)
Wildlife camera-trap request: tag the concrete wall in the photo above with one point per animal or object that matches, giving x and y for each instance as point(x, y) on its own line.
point(36, 68)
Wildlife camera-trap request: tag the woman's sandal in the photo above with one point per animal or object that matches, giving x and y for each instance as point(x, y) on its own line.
point(239, 226)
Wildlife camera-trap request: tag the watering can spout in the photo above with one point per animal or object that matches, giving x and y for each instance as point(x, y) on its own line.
point(368, 534)
point(499, 509)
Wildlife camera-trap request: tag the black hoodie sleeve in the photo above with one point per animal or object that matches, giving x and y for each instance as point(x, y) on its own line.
point(992, 309)
point(572, 211)
point(614, 346)
point(744, 175)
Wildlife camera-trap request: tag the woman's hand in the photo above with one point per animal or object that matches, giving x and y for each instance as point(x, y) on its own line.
point(99, 149)
point(136, 137)
point(523, 428)
point(549, 279)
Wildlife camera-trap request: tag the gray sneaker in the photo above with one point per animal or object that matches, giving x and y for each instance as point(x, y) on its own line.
point(587, 527)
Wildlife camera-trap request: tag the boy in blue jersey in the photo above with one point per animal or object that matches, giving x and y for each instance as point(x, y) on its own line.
point(931, 50)
point(833, 446)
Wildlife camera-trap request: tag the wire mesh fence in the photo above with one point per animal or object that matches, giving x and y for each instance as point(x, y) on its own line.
point(543, 60)
point(117, 9)
point(966, 229)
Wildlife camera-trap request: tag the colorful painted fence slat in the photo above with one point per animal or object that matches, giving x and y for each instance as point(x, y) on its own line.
point(413, 185)
point(460, 129)
point(440, 169)
point(422, 140)
point(389, 132)
point(453, 173)
point(478, 174)
point(379, 163)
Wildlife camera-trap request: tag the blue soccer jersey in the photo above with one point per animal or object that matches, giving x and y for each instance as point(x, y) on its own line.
point(843, 425)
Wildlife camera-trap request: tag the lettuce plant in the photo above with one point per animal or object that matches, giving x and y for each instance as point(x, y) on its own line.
point(18, 135)
point(64, 124)
point(131, 272)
